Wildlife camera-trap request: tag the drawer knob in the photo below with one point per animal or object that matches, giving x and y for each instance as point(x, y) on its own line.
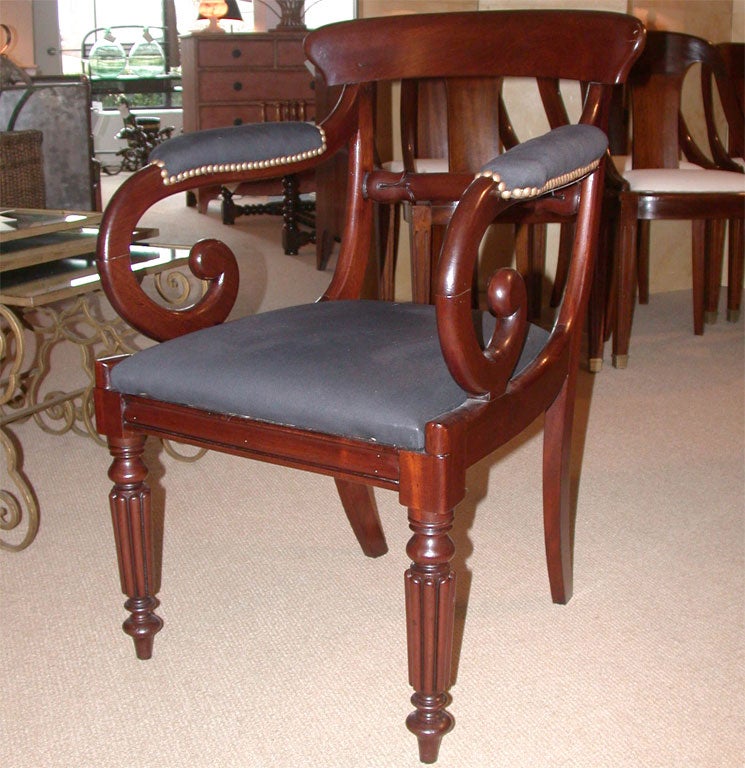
point(237, 86)
point(236, 53)
point(238, 121)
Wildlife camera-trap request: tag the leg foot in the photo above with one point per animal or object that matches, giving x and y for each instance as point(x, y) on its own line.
point(733, 315)
point(429, 723)
point(595, 364)
point(710, 317)
point(620, 361)
point(142, 624)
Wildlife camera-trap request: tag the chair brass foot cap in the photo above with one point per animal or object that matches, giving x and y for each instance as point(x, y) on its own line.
point(711, 317)
point(620, 361)
point(595, 364)
point(733, 315)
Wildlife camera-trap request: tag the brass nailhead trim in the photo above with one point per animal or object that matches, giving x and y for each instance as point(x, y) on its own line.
point(526, 192)
point(237, 167)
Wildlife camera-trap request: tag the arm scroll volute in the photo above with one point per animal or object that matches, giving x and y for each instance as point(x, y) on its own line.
point(209, 260)
point(480, 371)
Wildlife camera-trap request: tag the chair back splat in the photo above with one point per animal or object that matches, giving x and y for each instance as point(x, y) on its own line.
point(400, 396)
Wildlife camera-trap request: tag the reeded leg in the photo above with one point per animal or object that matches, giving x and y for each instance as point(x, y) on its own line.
point(557, 502)
point(430, 613)
point(130, 512)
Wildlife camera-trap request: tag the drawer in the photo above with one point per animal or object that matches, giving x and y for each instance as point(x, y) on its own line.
point(290, 53)
point(242, 86)
point(271, 111)
point(217, 117)
point(234, 53)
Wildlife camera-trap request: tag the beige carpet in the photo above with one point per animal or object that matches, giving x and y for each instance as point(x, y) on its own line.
point(284, 646)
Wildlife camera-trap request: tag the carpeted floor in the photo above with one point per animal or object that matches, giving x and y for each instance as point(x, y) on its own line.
point(284, 646)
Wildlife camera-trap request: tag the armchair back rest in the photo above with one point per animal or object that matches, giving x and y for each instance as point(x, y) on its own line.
point(656, 83)
point(477, 44)
point(732, 95)
point(454, 64)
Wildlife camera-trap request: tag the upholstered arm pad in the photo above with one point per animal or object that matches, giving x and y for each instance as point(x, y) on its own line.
point(553, 160)
point(526, 171)
point(237, 148)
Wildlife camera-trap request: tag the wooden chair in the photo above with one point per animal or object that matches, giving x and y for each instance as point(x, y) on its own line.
point(659, 188)
point(372, 393)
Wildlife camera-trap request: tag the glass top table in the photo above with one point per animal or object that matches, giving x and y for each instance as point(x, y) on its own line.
point(47, 256)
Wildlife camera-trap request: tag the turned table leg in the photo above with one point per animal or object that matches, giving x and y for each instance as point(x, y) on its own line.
point(430, 612)
point(130, 512)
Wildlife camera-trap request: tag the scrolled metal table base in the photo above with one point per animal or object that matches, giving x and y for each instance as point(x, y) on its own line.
point(24, 394)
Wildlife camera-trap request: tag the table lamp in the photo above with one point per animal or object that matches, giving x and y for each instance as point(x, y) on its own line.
point(218, 9)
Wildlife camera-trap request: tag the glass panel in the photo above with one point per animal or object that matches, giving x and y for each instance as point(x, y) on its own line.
point(21, 222)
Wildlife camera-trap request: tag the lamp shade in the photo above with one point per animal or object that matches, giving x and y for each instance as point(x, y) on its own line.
point(231, 13)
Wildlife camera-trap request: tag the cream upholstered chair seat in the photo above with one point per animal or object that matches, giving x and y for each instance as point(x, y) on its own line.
point(684, 180)
point(623, 164)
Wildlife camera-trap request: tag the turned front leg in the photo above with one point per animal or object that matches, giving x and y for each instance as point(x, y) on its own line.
point(130, 513)
point(430, 612)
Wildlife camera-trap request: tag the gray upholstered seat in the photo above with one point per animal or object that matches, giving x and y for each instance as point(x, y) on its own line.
point(363, 369)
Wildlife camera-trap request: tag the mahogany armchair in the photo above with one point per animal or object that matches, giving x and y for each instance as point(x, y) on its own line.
point(372, 393)
point(660, 186)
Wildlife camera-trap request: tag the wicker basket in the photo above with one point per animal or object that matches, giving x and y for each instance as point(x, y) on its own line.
point(21, 170)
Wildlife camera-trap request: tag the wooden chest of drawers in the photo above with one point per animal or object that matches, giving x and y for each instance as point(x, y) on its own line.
point(230, 79)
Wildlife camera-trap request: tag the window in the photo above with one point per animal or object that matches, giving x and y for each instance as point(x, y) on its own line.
point(77, 17)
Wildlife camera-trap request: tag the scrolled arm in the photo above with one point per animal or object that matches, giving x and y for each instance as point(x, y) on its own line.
point(559, 158)
point(216, 157)
point(209, 260)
